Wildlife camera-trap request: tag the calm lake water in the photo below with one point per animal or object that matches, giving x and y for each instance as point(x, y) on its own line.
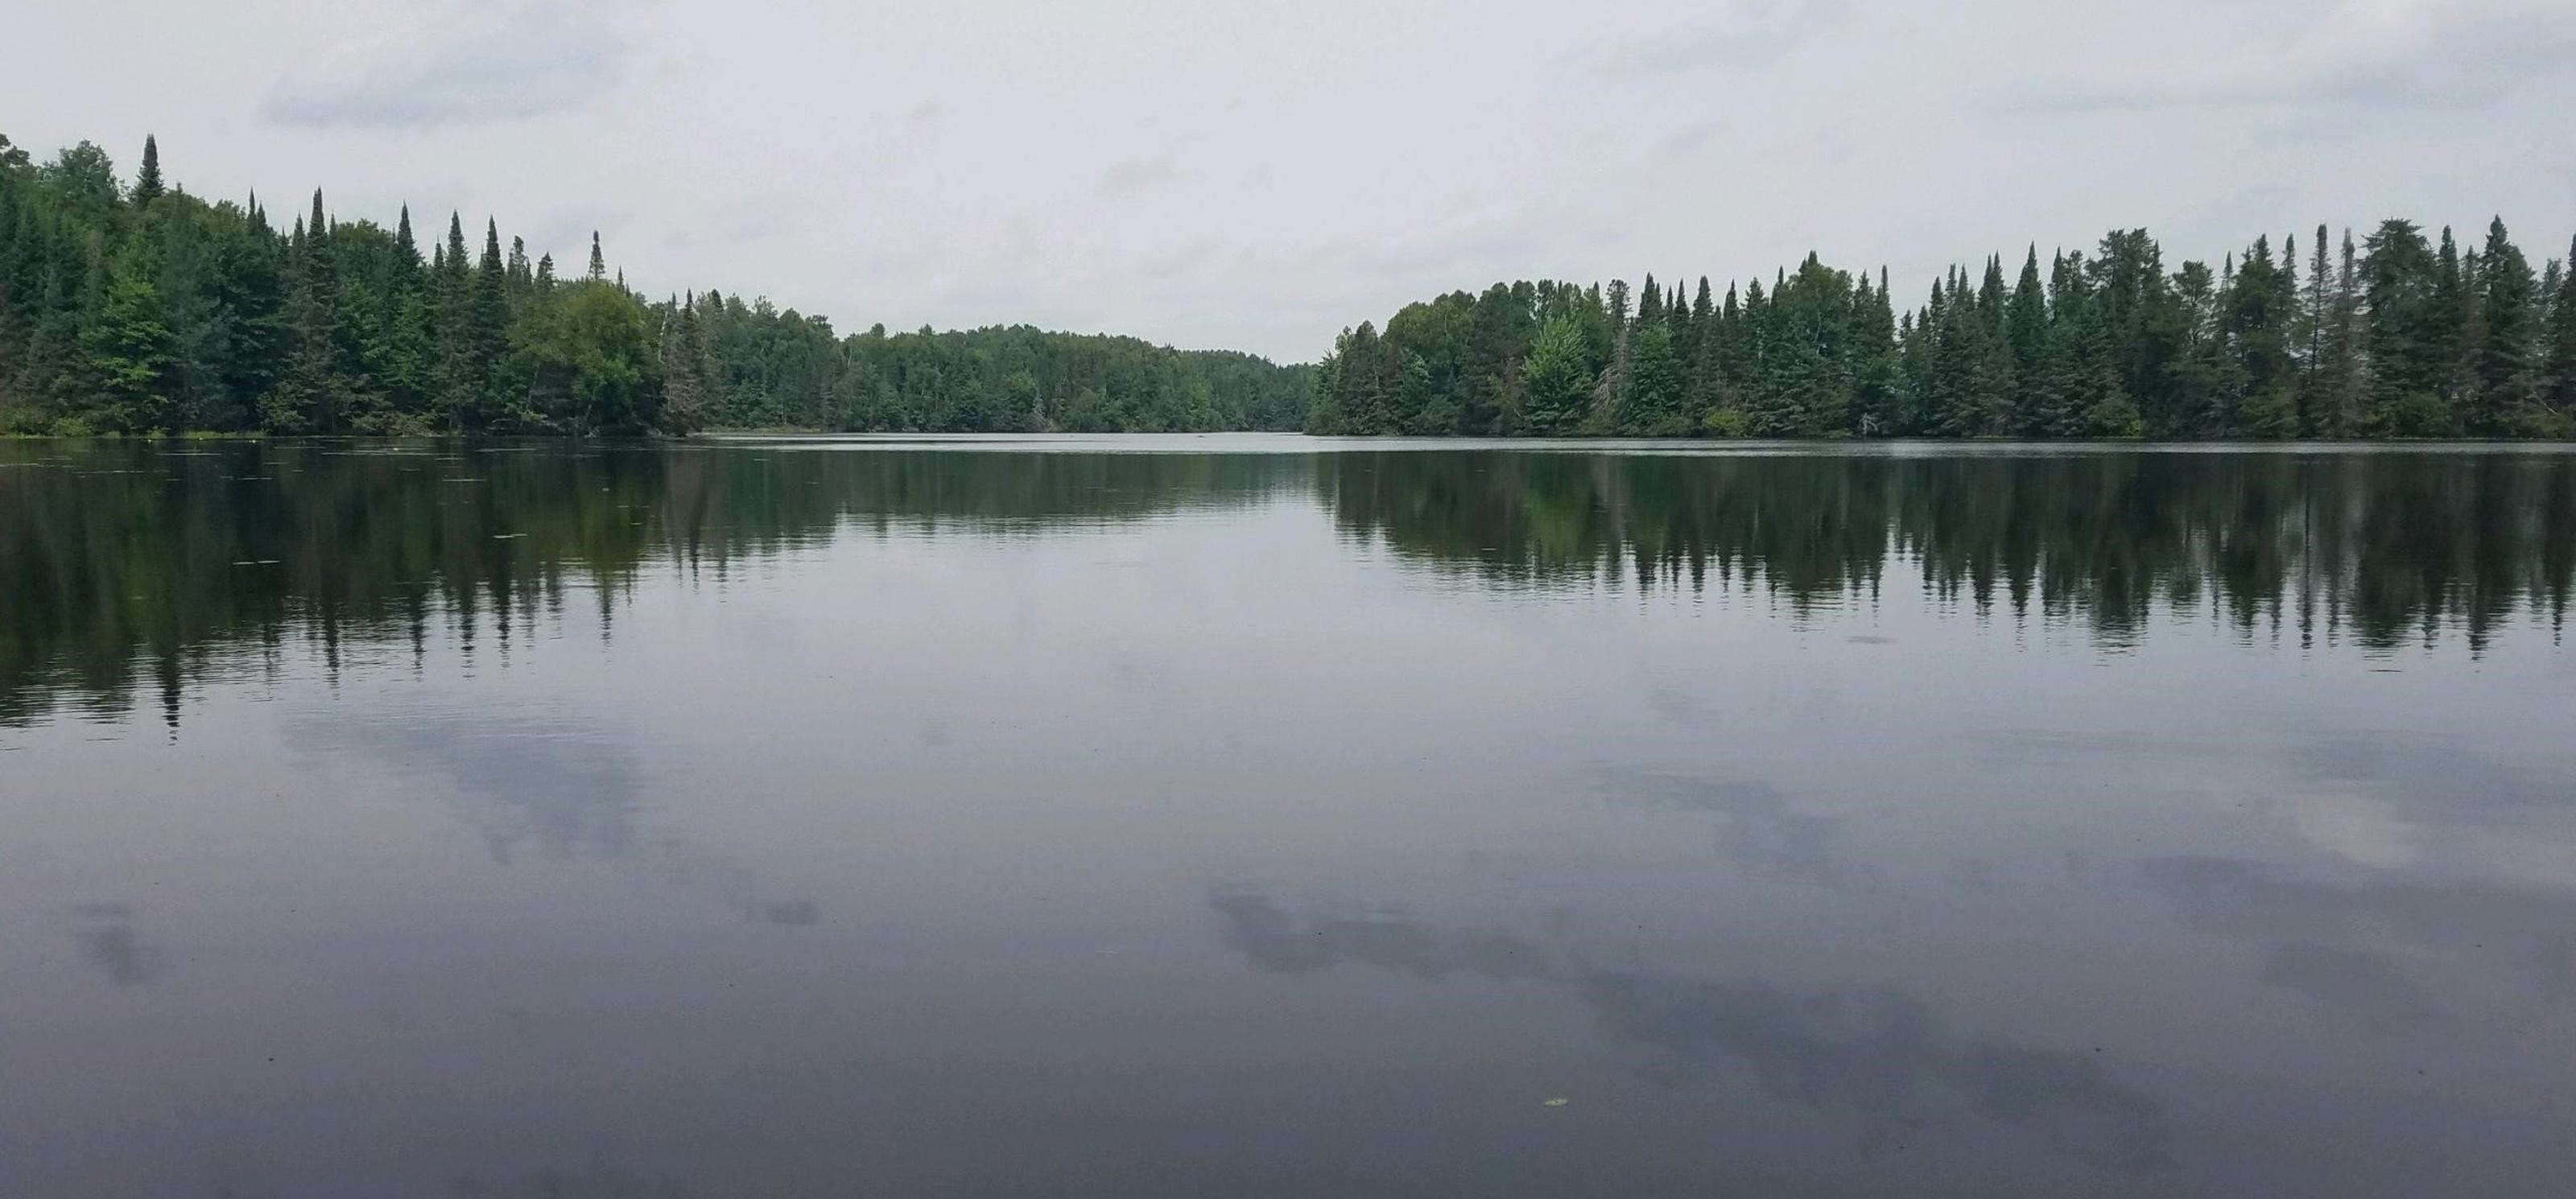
point(1249, 816)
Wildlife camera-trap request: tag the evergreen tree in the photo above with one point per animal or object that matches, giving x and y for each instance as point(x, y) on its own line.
point(2558, 383)
point(487, 323)
point(2509, 318)
point(2344, 381)
point(2407, 334)
point(2256, 327)
point(2314, 325)
point(147, 182)
point(2027, 333)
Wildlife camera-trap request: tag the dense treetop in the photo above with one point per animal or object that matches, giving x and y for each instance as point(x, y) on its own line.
point(141, 308)
point(2398, 335)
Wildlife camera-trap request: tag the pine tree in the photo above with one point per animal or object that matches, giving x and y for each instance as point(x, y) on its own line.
point(2407, 337)
point(411, 345)
point(598, 261)
point(147, 182)
point(2315, 319)
point(2447, 331)
point(1653, 404)
point(2256, 327)
point(2028, 334)
point(487, 330)
point(2344, 383)
point(2509, 329)
point(2558, 389)
point(684, 354)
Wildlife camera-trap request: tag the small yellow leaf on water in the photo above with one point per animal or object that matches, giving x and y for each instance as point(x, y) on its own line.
point(1559, 1101)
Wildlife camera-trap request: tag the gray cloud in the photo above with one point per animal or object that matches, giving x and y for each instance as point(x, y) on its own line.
point(470, 62)
point(1179, 261)
point(1751, 33)
point(1136, 174)
point(2429, 54)
point(1346, 192)
point(1692, 137)
point(737, 222)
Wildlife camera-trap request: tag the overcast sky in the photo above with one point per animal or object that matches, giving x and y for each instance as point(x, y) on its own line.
point(1259, 175)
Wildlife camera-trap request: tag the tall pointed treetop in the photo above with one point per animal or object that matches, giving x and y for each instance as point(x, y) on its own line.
point(147, 183)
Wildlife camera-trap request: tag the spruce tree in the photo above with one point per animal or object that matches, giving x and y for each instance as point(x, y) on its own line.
point(2558, 388)
point(2315, 319)
point(2406, 341)
point(2344, 381)
point(2447, 329)
point(2255, 326)
point(147, 182)
point(487, 330)
point(1653, 404)
point(2509, 329)
point(2028, 333)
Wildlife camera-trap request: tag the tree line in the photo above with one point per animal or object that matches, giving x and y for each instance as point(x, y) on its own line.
point(139, 308)
point(2398, 335)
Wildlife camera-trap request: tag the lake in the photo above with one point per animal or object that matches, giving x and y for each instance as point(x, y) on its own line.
point(1265, 816)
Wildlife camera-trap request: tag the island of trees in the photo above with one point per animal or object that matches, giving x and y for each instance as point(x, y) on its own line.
point(2399, 335)
point(139, 308)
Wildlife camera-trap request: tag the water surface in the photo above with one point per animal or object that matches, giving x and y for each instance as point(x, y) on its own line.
point(1264, 816)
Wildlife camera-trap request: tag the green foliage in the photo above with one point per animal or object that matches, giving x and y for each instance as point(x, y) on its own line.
point(2401, 339)
point(1556, 379)
point(147, 309)
point(2415, 414)
point(1726, 422)
point(583, 360)
point(125, 365)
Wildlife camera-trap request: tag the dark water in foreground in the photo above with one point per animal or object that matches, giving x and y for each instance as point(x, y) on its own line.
point(794, 819)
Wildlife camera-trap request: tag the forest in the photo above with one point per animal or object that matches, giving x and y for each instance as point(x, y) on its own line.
point(140, 308)
point(2399, 336)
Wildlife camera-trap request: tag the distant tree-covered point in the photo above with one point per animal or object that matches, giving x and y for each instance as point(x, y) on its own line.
point(2398, 336)
point(138, 308)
